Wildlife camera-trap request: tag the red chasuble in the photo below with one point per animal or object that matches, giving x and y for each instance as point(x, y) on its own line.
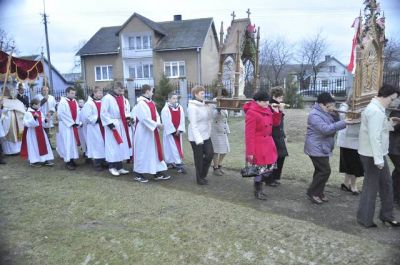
point(98, 106)
point(176, 120)
point(120, 102)
point(41, 140)
point(74, 112)
point(153, 111)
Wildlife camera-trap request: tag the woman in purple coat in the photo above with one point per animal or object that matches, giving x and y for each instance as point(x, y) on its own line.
point(322, 125)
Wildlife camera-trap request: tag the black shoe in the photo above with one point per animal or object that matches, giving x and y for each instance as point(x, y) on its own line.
point(37, 164)
point(345, 188)
point(49, 163)
point(70, 166)
point(72, 162)
point(392, 223)
point(202, 181)
point(272, 184)
point(314, 199)
point(373, 225)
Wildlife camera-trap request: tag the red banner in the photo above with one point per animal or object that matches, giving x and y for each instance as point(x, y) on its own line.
point(23, 69)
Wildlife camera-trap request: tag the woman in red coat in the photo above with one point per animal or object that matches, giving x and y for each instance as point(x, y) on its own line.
point(260, 146)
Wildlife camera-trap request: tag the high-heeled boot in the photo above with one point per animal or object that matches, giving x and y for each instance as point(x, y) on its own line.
point(258, 193)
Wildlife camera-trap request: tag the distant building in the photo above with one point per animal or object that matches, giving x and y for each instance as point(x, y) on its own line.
point(141, 51)
point(73, 77)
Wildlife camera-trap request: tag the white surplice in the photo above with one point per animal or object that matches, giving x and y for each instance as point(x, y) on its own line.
point(31, 139)
point(110, 114)
point(171, 153)
point(66, 143)
point(145, 148)
point(49, 105)
point(94, 140)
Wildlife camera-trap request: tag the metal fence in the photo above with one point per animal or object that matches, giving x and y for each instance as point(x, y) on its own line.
point(336, 87)
point(392, 78)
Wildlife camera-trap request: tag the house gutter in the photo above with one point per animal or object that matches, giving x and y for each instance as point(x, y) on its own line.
point(198, 65)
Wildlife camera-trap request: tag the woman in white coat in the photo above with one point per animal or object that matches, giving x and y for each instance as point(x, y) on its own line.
point(199, 131)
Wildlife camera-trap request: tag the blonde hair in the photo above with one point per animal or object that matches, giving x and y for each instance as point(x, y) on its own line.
point(197, 89)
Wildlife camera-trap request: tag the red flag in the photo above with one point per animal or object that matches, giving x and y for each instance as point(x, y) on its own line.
point(356, 24)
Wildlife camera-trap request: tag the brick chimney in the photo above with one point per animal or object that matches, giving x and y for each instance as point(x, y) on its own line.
point(177, 17)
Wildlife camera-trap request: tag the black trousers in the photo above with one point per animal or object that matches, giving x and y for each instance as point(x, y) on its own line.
point(322, 171)
point(203, 155)
point(396, 177)
point(277, 172)
point(116, 165)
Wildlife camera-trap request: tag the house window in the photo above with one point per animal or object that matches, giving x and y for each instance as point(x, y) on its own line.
point(174, 69)
point(139, 42)
point(324, 83)
point(103, 73)
point(131, 43)
point(332, 69)
point(339, 83)
point(141, 71)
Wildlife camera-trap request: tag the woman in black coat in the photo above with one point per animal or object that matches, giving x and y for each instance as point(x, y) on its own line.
point(279, 136)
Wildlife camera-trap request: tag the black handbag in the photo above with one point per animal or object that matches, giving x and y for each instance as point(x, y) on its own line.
point(249, 171)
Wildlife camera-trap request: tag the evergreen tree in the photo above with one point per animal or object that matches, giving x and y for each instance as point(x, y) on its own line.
point(161, 92)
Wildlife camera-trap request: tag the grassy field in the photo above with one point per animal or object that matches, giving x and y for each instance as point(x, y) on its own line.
point(54, 216)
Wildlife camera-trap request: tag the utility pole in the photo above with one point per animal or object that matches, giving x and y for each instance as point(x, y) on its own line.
point(48, 48)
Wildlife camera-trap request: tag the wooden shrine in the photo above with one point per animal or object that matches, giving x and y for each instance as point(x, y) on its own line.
point(368, 77)
point(242, 45)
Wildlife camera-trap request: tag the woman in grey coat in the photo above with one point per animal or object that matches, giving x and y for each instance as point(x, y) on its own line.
point(219, 137)
point(322, 125)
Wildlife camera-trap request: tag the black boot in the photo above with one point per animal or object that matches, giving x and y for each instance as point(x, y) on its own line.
point(258, 191)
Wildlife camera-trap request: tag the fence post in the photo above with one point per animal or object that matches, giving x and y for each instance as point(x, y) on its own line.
point(131, 92)
point(184, 94)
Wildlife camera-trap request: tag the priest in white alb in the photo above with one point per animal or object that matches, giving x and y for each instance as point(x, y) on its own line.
point(115, 117)
point(68, 123)
point(94, 129)
point(35, 144)
point(173, 119)
point(148, 154)
point(47, 107)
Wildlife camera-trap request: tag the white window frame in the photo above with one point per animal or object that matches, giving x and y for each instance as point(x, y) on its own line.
point(142, 67)
point(138, 40)
point(178, 65)
point(102, 78)
point(332, 69)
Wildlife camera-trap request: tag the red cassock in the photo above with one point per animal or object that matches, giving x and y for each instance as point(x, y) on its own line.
point(258, 133)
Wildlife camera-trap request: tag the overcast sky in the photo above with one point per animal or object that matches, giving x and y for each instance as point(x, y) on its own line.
point(74, 21)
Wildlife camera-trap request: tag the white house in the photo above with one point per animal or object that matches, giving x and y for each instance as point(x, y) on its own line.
point(332, 76)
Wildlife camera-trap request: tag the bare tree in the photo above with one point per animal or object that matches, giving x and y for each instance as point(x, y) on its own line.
point(77, 59)
point(275, 55)
point(7, 42)
point(311, 53)
point(392, 54)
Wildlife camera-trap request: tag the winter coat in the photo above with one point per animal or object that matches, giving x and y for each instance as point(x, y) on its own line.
point(278, 134)
point(321, 129)
point(258, 133)
point(200, 117)
point(394, 136)
point(220, 131)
